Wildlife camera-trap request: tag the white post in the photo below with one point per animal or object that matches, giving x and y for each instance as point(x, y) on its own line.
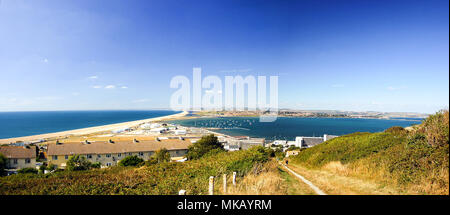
point(234, 178)
point(211, 185)
point(182, 192)
point(224, 183)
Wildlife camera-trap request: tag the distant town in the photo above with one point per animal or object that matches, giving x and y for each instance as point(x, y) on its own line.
point(320, 113)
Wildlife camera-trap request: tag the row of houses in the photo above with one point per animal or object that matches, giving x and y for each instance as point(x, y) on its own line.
point(233, 143)
point(18, 157)
point(108, 153)
point(304, 142)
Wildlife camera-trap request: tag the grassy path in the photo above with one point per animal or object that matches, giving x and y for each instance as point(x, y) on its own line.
point(304, 180)
point(342, 185)
point(271, 180)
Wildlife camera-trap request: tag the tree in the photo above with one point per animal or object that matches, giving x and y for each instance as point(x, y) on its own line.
point(162, 155)
point(131, 161)
point(27, 170)
point(78, 162)
point(203, 146)
point(52, 167)
point(2, 164)
point(96, 165)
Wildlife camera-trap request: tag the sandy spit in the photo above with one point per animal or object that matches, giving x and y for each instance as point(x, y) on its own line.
point(89, 130)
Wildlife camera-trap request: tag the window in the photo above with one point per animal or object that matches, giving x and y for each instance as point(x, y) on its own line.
point(108, 164)
point(141, 153)
point(55, 157)
point(99, 156)
point(89, 156)
point(15, 161)
point(66, 157)
point(130, 154)
point(27, 160)
point(119, 155)
point(108, 155)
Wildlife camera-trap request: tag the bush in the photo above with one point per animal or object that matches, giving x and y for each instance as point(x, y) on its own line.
point(436, 128)
point(152, 160)
point(96, 165)
point(28, 170)
point(203, 146)
point(78, 162)
point(2, 164)
point(162, 155)
point(52, 167)
point(396, 130)
point(131, 161)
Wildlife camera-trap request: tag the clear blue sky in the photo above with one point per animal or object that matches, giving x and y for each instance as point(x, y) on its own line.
point(109, 54)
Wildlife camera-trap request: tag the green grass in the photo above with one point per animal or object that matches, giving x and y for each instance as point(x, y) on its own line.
point(348, 148)
point(417, 161)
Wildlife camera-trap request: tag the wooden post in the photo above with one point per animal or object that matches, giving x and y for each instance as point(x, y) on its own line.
point(211, 185)
point(182, 192)
point(234, 178)
point(224, 183)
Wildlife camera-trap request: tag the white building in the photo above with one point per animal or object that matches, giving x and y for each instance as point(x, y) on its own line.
point(180, 132)
point(280, 142)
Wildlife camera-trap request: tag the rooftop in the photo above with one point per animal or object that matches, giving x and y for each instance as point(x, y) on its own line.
point(105, 147)
point(18, 151)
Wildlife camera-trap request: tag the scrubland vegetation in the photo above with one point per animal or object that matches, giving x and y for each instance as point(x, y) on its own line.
point(412, 162)
point(161, 178)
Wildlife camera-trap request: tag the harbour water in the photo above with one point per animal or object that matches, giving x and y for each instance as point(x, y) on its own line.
point(289, 127)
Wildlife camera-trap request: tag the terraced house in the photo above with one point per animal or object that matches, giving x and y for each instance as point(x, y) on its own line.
point(109, 153)
point(19, 156)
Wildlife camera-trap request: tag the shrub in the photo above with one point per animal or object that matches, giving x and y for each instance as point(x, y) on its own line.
point(78, 162)
point(162, 155)
point(203, 146)
point(131, 161)
point(52, 167)
point(96, 165)
point(28, 170)
point(2, 164)
point(396, 130)
point(436, 128)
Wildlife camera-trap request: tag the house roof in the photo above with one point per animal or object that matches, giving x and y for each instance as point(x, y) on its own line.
point(104, 147)
point(18, 151)
point(311, 141)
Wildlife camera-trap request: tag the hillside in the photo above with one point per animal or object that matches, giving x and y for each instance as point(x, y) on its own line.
point(412, 162)
point(154, 179)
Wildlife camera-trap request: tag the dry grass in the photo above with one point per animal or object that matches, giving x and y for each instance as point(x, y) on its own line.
point(268, 179)
point(335, 178)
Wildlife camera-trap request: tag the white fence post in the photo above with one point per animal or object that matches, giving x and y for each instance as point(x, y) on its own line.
point(224, 183)
point(234, 178)
point(182, 192)
point(211, 185)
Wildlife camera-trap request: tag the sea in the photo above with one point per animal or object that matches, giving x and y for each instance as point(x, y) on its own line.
point(18, 124)
point(287, 128)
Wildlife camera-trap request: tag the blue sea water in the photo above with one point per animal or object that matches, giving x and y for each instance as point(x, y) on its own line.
point(17, 124)
point(288, 128)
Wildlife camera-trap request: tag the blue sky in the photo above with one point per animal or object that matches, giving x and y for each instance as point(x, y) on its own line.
point(345, 55)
